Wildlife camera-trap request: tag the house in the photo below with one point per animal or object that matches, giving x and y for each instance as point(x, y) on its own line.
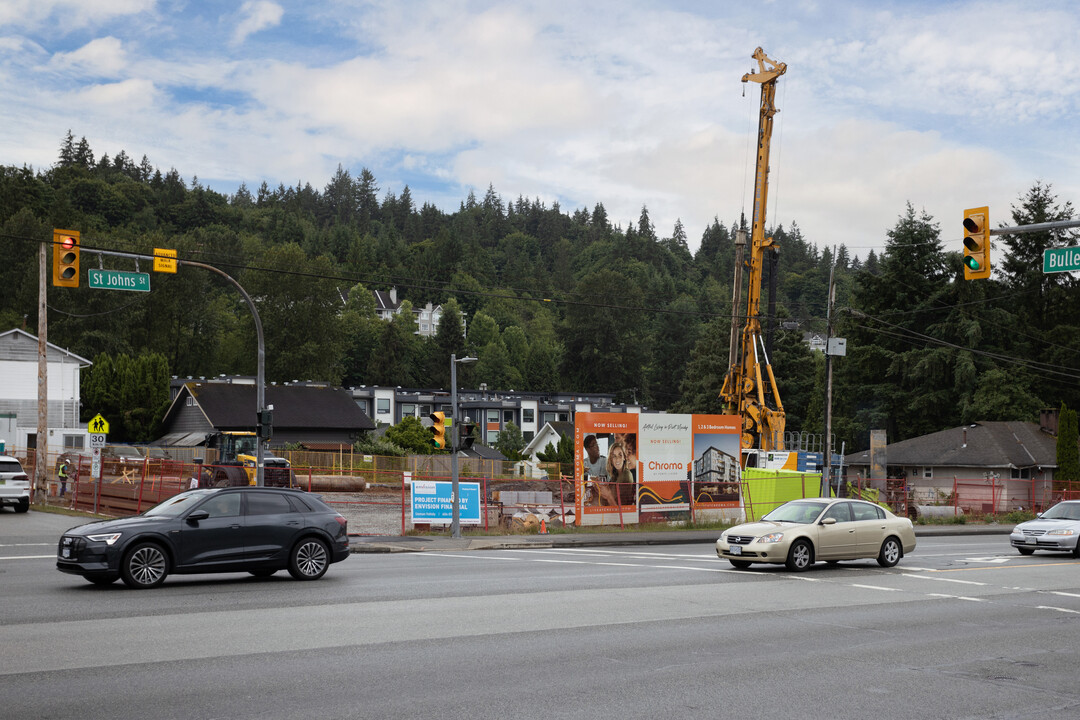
point(302, 413)
point(988, 466)
point(19, 394)
point(552, 432)
point(387, 305)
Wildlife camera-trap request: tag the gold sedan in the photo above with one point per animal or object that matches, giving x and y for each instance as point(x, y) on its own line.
point(801, 532)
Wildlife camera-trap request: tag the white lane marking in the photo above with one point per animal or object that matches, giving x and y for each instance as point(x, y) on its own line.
point(26, 557)
point(876, 587)
point(1059, 592)
point(2, 545)
point(943, 579)
point(1064, 610)
point(955, 597)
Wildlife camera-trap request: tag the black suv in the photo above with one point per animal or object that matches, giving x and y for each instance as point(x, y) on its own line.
point(238, 529)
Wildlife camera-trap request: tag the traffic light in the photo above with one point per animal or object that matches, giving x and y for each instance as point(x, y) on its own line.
point(65, 266)
point(438, 429)
point(266, 423)
point(465, 435)
point(977, 243)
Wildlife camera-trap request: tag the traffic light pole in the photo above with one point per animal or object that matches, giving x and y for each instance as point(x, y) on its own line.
point(455, 521)
point(260, 379)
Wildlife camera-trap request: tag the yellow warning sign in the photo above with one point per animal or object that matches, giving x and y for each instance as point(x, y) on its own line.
point(98, 424)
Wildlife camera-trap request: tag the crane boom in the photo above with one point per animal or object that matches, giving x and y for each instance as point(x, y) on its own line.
point(745, 386)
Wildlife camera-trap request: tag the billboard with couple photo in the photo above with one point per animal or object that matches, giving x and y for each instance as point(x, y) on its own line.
point(631, 467)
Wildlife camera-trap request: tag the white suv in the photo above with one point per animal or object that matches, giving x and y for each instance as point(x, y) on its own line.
point(14, 484)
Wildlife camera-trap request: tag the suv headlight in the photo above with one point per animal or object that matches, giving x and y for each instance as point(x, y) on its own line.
point(107, 538)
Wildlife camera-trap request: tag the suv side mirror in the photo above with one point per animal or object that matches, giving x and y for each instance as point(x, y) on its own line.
point(197, 515)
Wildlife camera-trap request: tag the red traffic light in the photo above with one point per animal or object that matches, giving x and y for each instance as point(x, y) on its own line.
point(68, 242)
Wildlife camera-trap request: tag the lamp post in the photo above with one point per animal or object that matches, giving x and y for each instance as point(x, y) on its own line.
point(455, 523)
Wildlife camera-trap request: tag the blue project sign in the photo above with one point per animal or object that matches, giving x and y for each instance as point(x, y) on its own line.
point(433, 502)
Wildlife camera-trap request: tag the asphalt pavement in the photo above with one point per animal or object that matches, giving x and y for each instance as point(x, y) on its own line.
point(429, 543)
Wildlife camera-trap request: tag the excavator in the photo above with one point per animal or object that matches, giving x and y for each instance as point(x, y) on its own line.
point(749, 388)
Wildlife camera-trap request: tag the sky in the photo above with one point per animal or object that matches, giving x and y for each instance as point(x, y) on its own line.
point(632, 103)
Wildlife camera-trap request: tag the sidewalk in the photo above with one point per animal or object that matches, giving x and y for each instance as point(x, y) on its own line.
point(435, 543)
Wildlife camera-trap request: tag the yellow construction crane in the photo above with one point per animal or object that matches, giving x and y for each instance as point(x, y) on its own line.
point(750, 380)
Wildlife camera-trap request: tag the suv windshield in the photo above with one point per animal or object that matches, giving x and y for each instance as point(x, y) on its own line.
point(796, 512)
point(179, 503)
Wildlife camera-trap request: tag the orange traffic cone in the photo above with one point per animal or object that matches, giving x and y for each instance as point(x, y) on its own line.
point(543, 526)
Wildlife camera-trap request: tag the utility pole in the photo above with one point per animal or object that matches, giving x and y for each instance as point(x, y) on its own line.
point(826, 475)
point(42, 443)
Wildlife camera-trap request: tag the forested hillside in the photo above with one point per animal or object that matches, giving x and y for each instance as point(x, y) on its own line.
point(552, 299)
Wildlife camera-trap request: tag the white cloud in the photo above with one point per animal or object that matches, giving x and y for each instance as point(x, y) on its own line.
point(103, 57)
point(67, 15)
point(256, 15)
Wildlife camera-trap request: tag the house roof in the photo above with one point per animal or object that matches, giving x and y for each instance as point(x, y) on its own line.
point(227, 405)
point(16, 338)
point(383, 301)
point(562, 429)
point(1007, 444)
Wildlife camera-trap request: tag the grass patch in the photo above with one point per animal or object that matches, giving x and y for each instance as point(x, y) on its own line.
point(59, 510)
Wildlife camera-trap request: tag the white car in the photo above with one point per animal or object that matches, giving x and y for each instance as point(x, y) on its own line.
point(14, 484)
point(801, 532)
point(1056, 529)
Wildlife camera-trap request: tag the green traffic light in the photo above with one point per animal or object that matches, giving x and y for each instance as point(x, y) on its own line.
point(972, 263)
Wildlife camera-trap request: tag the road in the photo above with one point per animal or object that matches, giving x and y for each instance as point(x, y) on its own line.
point(963, 628)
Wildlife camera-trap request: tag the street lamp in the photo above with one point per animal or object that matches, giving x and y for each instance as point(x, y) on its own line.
point(455, 523)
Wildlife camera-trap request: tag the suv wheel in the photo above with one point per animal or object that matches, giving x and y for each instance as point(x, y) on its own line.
point(144, 566)
point(23, 506)
point(309, 559)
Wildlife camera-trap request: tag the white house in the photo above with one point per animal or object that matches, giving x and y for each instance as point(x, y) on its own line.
point(19, 394)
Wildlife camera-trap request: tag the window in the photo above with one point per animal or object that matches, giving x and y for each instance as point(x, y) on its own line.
point(1021, 474)
point(508, 416)
point(864, 511)
point(383, 405)
point(528, 415)
point(549, 417)
point(73, 442)
point(493, 416)
point(190, 401)
point(267, 504)
point(840, 511)
point(928, 473)
point(528, 435)
point(492, 436)
point(227, 505)
point(408, 410)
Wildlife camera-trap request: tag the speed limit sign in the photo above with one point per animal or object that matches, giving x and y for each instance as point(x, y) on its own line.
point(97, 440)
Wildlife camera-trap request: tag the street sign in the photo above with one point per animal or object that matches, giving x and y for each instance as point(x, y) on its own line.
point(98, 424)
point(119, 280)
point(164, 260)
point(95, 464)
point(97, 440)
point(1061, 259)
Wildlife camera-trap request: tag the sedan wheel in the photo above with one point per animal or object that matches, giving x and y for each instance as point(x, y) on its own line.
point(144, 566)
point(890, 552)
point(740, 564)
point(309, 559)
point(1026, 551)
point(800, 556)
